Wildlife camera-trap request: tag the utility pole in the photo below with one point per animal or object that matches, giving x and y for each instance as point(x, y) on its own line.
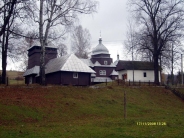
point(125, 114)
point(182, 69)
point(132, 58)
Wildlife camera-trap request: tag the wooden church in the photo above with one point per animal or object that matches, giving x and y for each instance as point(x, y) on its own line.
point(69, 69)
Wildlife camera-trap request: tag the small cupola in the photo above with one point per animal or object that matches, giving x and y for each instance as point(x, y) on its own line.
point(117, 56)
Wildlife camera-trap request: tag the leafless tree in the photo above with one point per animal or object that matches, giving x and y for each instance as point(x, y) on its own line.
point(6, 11)
point(50, 14)
point(131, 41)
point(26, 43)
point(8, 14)
point(62, 49)
point(160, 22)
point(81, 42)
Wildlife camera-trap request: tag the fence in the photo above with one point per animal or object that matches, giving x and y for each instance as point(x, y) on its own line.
point(124, 83)
point(176, 92)
point(135, 83)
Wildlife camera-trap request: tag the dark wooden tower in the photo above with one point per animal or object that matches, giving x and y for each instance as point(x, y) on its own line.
point(34, 55)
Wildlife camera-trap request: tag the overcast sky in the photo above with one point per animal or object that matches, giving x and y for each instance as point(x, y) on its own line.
point(111, 19)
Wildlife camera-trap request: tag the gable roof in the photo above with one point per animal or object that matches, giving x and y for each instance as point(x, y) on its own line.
point(136, 65)
point(114, 73)
point(37, 44)
point(67, 63)
point(97, 64)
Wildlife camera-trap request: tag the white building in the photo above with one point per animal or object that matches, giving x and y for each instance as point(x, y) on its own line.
point(142, 71)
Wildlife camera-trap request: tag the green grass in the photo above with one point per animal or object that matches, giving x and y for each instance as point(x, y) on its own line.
point(12, 75)
point(82, 112)
point(16, 82)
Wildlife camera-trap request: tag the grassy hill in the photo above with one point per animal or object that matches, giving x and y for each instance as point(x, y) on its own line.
point(15, 77)
point(13, 74)
point(83, 112)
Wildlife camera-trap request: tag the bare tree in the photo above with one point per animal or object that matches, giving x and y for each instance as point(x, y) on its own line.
point(54, 13)
point(6, 11)
point(8, 15)
point(26, 43)
point(62, 49)
point(160, 22)
point(81, 42)
point(131, 42)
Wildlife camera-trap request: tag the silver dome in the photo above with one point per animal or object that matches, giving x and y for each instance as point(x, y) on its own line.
point(100, 49)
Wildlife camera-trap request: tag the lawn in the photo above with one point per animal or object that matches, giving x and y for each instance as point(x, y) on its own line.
point(83, 112)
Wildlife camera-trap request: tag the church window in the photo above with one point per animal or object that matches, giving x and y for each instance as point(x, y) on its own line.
point(105, 62)
point(102, 72)
point(75, 75)
point(144, 74)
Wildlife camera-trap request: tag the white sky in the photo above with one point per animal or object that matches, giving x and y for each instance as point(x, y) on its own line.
point(111, 20)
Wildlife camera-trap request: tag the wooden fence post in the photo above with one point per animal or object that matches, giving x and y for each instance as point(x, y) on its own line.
point(124, 104)
point(7, 81)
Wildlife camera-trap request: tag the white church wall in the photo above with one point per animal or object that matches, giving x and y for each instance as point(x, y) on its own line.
point(138, 75)
point(121, 72)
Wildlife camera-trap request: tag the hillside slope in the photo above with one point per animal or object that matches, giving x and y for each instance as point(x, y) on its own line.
point(13, 74)
point(82, 112)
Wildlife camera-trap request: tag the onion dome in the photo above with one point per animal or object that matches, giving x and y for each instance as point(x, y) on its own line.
point(100, 49)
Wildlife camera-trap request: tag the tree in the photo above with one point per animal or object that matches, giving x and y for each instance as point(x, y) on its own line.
point(6, 11)
point(54, 13)
point(62, 49)
point(26, 43)
point(160, 22)
point(131, 42)
point(81, 42)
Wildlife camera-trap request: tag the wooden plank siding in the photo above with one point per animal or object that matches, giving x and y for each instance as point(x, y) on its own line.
point(66, 78)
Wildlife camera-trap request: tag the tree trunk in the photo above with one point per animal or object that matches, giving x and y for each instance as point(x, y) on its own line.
point(42, 56)
point(4, 55)
point(3, 60)
point(172, 62)
point(156, 68)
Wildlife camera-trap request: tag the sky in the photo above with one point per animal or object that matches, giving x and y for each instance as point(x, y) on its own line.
point(110, 21)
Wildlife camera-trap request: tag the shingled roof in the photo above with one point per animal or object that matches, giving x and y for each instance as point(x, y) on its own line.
point(35, 70)
point(136, 65)
point(67, 63)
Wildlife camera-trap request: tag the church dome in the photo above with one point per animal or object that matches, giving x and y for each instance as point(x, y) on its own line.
point(100, 49)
